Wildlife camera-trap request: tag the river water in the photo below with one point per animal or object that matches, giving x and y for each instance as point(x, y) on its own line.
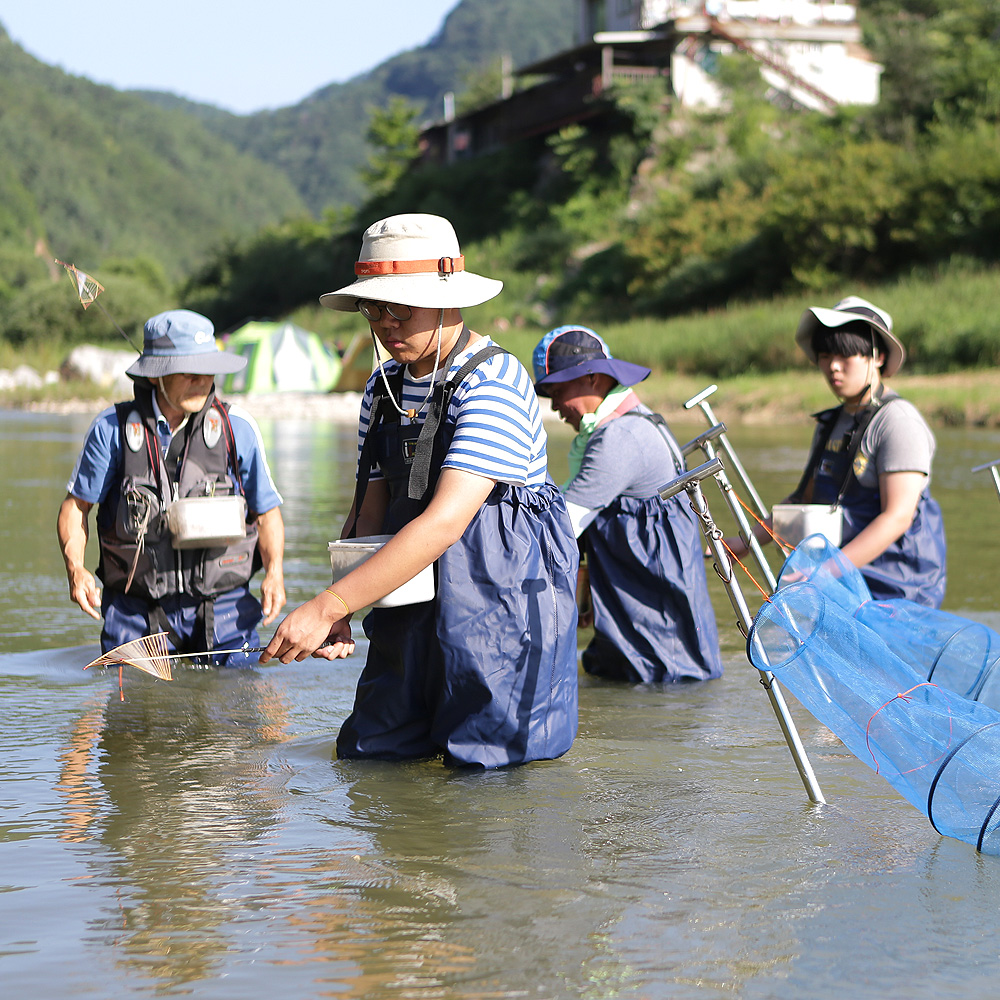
point(200, 838)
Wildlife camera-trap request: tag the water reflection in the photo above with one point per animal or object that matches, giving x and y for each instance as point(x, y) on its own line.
point(200, 838)
point(180, 785)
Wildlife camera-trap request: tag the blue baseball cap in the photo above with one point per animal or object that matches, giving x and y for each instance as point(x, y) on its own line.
point(569, 352)
point(179, 341)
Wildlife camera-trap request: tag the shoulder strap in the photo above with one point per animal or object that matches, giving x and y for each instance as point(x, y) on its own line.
point(861, 424)
point(664, 429)
point(227, 430)
point(826, 420)
point(440, 401)
point(366, 461)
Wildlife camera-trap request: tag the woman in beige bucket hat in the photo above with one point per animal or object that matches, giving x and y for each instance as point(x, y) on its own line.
point(452, 466)
point(871, 456)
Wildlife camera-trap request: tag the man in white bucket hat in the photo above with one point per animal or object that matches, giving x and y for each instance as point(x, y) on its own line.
point(871, 456)
point(175, 441)
point(452, 464)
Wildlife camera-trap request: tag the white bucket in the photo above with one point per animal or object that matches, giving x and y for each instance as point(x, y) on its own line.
point(207, 522)
point(794, 521)
point(347, 554)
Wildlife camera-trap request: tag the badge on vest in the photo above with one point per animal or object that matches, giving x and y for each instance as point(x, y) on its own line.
point(409, 450)
point(211, 428)
point(134, 431)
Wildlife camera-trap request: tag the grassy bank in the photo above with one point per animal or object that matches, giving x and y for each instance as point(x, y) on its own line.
point(970, 398)
point(947, 318)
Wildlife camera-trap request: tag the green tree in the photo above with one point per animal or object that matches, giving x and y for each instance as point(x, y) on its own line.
point(394, 137)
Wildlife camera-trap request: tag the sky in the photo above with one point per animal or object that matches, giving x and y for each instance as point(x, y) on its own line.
point(241, 56)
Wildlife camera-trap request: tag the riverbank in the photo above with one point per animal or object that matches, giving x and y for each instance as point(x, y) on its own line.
point(953, 399)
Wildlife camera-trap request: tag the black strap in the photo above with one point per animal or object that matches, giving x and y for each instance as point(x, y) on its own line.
point(421, 468)
point(381, 407)
point(205, 622)
point(176, 450)
point(852, 439)
point(203, 636)
point(157, 618)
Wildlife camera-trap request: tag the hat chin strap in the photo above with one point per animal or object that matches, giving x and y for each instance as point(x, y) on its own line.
point(158, 382)
point(411, 413)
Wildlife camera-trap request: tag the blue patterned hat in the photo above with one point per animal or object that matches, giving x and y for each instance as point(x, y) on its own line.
point(569, 352)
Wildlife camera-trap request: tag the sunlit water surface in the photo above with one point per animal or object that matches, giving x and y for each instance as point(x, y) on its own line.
point(200, 838)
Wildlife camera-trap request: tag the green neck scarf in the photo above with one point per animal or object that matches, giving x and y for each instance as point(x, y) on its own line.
point(588, 424)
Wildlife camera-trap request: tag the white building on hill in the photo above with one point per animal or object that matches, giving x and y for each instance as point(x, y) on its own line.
point(809, 53)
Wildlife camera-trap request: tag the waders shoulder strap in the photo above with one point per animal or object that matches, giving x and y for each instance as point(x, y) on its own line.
point(852, 439)
point(381, 410)
point(440, 401)
point(664, 429)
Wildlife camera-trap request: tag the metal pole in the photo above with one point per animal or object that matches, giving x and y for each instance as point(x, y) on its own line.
point(701, 400)
point(691, 484)
point(704, 442)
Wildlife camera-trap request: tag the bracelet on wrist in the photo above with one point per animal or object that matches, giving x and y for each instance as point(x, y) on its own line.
point(330, 590)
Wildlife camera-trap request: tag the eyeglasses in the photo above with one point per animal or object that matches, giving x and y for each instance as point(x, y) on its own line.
point(372, 311)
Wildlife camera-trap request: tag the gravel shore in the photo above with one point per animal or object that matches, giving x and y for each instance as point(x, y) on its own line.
point(336, 406)
point(332, 406)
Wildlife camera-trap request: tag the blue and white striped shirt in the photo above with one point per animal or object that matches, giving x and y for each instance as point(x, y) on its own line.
point(498, 422)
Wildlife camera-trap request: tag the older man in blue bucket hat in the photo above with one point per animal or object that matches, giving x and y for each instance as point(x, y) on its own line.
point(651, 612)
point(187, 510)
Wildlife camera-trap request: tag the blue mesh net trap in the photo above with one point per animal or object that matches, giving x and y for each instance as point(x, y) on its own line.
point(911, 691)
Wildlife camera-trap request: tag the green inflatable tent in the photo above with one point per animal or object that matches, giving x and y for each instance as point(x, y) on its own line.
point(281, 357)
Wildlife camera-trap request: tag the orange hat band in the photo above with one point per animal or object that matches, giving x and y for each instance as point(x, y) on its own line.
point(443, 265)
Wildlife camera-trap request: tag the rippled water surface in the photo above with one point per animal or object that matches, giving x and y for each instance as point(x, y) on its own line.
point(199, 837)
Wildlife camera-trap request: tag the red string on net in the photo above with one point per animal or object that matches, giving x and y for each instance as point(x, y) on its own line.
point(736, 559)
point(904, 696)
point(775, 537)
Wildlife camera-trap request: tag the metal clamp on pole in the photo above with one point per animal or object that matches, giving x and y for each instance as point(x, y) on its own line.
point(704, 441)
point(691, 484)
point(732, 459)
point(688, 479)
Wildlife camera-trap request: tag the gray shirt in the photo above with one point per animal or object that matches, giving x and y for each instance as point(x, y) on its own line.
point(897, 440)
point(627, 456)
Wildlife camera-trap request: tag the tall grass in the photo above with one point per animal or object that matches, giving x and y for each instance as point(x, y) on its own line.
point(948, 318)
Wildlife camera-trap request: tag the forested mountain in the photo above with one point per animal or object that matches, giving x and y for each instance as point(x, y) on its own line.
point(655, 210)
point(319, 143)
point(93, 172)
point(646, 210)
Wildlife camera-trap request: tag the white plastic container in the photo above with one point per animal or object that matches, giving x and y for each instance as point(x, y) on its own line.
point(349, 553)
point(794, 521)
point(207, 522)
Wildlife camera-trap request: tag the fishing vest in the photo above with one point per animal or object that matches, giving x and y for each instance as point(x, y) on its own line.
point(131, 522)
